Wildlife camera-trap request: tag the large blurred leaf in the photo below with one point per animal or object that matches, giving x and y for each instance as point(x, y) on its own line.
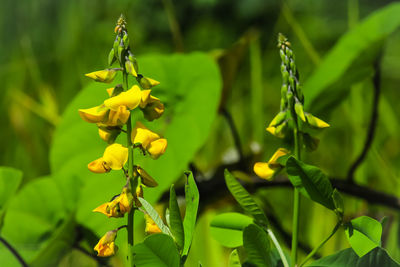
point(36, 223)
point(351, 59)
point(364, 234)
point(257, 246)
point(10, 180)
point(190, 88)
point(156, 250)
point(311, 181)
point(192, 198)
point(348, 258)
point(244, 199)
point(227, 228)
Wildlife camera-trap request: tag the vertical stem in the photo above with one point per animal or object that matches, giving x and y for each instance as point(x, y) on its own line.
point(296, 198)
point(131, 214)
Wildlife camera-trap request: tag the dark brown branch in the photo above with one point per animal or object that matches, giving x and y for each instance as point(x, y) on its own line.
point(372, 125)
point(235, 133)
point(14, 252)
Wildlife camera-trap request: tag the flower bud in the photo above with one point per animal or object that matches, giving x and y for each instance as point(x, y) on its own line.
point(111, 57)
point(142, 135)
point(104, 76)
point(115, 91)
point(125, 41)
point(147, 180)
point(130, 99)
point(146, 83)
point(315, 122)
point(109, 134)
point(298, 107)
point(267, 170)
point(278, 119)
point(130, 68)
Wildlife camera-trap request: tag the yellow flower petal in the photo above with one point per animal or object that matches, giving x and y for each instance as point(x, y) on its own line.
point(146, 82)
point(115, 156)
point(145, 98)
point(142, 135)
point(104, 76)
point(98, 166)
point(130, 99)
point(157, 148)
point(103, 208)
point(279, 153)
point(263, 170)
point(118, 117)
point(106, 246)
point(151, 226)
point(95, 114)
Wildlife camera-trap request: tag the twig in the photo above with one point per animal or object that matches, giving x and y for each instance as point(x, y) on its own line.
point(235, 134)
point(372, 124)
point(14, 252)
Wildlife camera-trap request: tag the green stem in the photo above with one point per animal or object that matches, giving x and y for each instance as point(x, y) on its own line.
point(278, 247)
point(131, 215)
point(296, 199)
point(309, 256)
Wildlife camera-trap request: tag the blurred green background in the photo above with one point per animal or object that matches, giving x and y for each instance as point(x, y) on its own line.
point(47, 47)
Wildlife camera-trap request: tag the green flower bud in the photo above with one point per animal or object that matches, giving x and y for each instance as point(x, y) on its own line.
point(282, 54)
point(130, 68)
point(134, 62)
point(298, 107)
point(284, 90)
point(283, 103)
point(290, 98)
point(145, 82)
point(111, 57)
point(116, 45)
point(278, 119)
point(285, 76)
point(125, 40)
point(315, 122)
point(121, 49)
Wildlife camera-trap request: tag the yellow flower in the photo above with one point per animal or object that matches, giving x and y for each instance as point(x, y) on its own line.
point(117, 207)
point(267, 170)
point(148, 140)
point(151, 106)
point(157, 148)
point(142, 135)
point(114, 158)
point(94, 115)
point(131, 99)
point(118, 117)
point(104, 76)
point(106, 246)
point(108, 134)
point(151, 226)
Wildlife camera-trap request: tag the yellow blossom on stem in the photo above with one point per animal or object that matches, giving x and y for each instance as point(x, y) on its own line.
point(104, 76)
point(114, 158)
point(106, 246)
point(267, 170)
point(151, 106)
point(118, 117)
point(149, 141)
point(131, 99)
point(117, 207)
point(157, 148)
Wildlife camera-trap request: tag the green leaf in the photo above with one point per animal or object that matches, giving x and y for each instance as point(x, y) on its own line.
point(157, 250)
point(190, 89)
point(227, 228)
point(257, 245)
point(338, 202)
point(37, 223)
point(364, 234)
point(10, 179)
point(155, 216)
point(348, 258)
point(234, 260)
point(311, 182)
point(175, 219)
point(244, 199)
point(192, 198)
point(351, 59)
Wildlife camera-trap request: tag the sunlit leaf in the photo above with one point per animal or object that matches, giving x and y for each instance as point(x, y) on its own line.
point(156, 250)
point(364, 234)
point(227, 228)
point(154, 216)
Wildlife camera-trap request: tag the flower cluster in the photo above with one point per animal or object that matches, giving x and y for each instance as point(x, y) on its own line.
point(291, 114)
point(113, 117)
